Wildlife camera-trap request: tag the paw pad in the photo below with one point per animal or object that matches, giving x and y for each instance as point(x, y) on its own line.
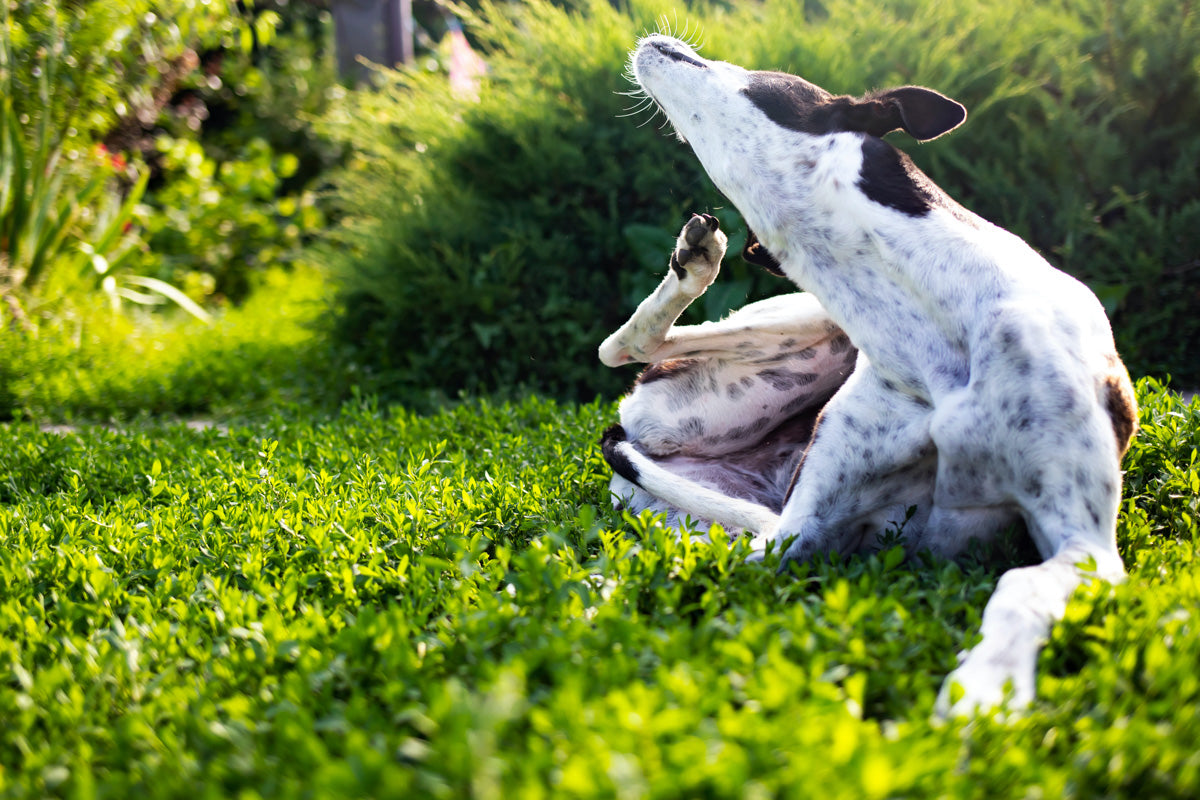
point(699, 227)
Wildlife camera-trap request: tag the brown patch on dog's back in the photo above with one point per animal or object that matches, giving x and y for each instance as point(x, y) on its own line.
point(671, 368)
point(1116, 392)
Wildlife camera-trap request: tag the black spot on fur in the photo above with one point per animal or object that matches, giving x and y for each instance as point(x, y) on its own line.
point(889, 177)
point(759, 425)
point(782, 379)
point(796, 403)
point(677, 267)
point(620, 463)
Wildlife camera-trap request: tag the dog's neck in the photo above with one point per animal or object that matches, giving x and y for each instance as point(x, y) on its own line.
point(868, 261)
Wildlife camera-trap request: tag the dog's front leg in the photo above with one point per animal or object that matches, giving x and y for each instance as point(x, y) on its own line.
point(1016, 624)
point(870, 460)
point(694, 266)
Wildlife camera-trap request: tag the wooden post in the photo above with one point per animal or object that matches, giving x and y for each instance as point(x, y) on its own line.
point(381, 31)
point(398, 31)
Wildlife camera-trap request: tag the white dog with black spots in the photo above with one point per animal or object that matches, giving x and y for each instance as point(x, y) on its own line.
point(937, 375)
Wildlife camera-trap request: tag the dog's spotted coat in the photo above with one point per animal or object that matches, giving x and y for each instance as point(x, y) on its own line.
point(982, 387)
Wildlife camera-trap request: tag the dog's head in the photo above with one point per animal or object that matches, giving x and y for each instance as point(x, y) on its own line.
point(759, 133)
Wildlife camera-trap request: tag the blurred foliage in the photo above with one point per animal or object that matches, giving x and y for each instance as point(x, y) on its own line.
point(113, 61)
point(219, 224)
point(484, 244)
point(238, 162)
point(65, 215)
point(202, 108)
point(493, 242)
point(87, 362)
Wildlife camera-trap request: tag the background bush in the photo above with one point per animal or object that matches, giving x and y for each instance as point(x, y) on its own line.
point(494, 242)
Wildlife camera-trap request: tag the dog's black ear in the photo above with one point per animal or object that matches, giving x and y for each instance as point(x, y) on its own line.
point(754, 253)
point(923, 113)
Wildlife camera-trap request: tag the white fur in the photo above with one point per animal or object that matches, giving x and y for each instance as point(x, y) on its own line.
point(982, 393)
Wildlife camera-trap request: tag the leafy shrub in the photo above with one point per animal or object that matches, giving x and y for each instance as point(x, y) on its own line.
point(65, 216)
point(274, 94)
point(228, 198)
point(496, 242)
point(214, 226)
point(486, 246)
point(113, 61)
point(384, 604)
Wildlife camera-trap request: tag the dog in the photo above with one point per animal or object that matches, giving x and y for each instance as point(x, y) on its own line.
point(936, 376)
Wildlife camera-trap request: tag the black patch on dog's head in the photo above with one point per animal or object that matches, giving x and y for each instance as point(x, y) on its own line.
point(787, 100)
point(801, 106)
point(754, 253)
point(616, 459)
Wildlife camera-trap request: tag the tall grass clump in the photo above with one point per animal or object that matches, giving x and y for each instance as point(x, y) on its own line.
point(493, 240)
point(101, 365)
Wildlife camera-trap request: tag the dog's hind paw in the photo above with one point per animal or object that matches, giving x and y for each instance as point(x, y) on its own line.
point(698, 253)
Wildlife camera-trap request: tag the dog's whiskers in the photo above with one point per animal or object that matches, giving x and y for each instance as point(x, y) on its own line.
point(669, 26)
point(666, 26)
point(637, 109)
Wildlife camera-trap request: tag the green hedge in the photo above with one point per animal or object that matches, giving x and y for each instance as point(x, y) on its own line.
point(494, 242)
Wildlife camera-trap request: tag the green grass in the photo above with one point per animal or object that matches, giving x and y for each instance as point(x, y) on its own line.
point(82, 360)
point(375, 603)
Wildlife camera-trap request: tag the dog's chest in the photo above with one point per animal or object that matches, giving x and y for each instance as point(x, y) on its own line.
point(912, 327)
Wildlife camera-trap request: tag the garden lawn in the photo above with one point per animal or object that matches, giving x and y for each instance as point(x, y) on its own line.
point(374, 603)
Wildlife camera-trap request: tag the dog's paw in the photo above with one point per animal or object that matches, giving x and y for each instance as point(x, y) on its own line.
point(698, 253)
point(767, 540)
point(980, 687)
